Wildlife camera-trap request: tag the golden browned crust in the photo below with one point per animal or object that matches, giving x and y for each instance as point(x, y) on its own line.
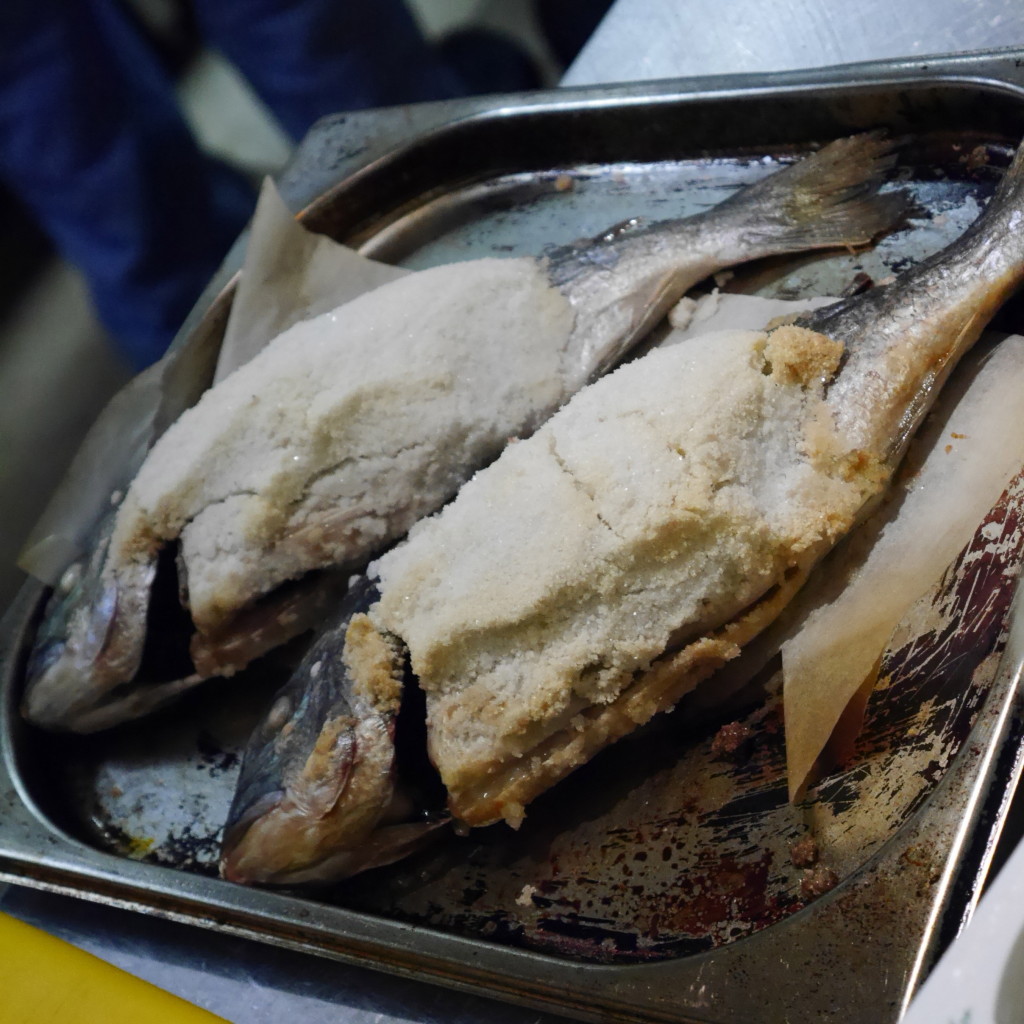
point(799, 356)
point(374, 665)
point(483, 797)
point(502, 790)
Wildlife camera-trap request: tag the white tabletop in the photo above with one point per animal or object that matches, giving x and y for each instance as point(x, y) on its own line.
point(648, 39)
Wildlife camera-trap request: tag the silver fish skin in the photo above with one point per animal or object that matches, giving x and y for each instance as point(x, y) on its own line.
point(674, 600)
point(616, 286)
point(623, 282)
point(903, 339)
point(76, 628)
point(319, 797)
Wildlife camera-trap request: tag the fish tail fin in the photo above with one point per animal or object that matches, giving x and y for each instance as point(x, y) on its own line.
point(828, 199)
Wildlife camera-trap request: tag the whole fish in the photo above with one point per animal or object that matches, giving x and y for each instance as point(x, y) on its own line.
point(350, 427)
point(602, 568)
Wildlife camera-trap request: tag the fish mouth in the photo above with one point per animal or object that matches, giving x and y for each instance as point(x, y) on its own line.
point(94, 714)
point(45, 699)
point(42, 662)
point(234, 851)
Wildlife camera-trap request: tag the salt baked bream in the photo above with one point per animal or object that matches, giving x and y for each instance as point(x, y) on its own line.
point(349, 427)
point(602, 568)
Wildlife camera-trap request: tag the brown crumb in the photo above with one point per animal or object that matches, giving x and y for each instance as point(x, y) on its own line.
point(374, 663)
point(799, 356)
point(775, 721)
point(861, 283)
point(730, 738)
point(818, 880)
point(977, 157)
point(804, 852)
point(564, 183)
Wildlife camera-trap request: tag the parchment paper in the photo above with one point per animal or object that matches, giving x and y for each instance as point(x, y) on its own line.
point(289, 274)
point(839, 625)
point(957, 474)
point(727, 312)
point(110, 456)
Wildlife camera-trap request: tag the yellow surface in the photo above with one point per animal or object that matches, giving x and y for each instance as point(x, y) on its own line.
point(44, 980)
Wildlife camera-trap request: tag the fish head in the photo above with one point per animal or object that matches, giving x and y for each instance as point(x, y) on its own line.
point(76, 644)
point(283, 793)
point(320, 795)
point(83, 672)
point(316, 776)
point(316, 804)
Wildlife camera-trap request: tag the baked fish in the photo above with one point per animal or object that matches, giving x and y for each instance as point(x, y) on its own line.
point(602, 568)
point(351, 426)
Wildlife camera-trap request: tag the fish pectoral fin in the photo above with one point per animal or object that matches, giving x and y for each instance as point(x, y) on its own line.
point(316, 789)
point(348, 771)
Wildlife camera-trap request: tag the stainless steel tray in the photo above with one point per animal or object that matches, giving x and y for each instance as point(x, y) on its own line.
point(654, 884)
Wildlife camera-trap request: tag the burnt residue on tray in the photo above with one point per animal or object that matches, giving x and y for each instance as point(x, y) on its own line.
point(158, 790)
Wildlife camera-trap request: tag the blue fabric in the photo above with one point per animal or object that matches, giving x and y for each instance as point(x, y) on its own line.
point(307, 58)
point(92, 141)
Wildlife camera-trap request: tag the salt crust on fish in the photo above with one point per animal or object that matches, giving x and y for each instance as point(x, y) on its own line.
point(599, 569)
point(616, 287)
point(252, 478)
